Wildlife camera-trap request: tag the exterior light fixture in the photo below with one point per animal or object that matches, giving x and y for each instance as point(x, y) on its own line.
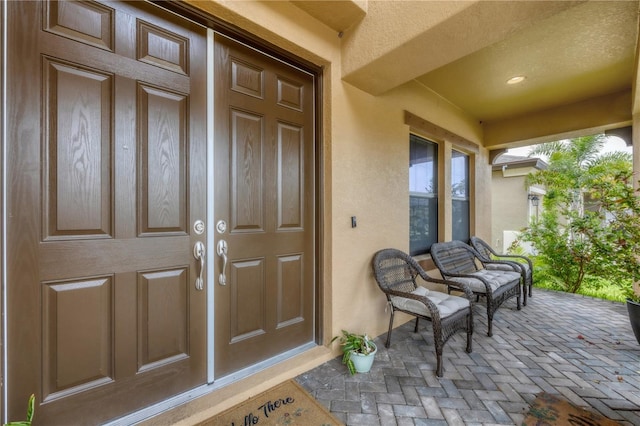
point(517, 79)
point(535, 200)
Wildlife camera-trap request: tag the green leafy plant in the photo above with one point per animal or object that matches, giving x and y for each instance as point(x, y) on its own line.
point(30, 411)
point(590, 225)
point(354, 343)
point(615, 289)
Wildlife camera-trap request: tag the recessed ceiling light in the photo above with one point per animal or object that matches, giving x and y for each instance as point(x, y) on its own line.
point(517, 79)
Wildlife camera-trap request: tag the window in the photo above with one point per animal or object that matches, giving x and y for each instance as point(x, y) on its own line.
point(460, 196)
point(423, 195)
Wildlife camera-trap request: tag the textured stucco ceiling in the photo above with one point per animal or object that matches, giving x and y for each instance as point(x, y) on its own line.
point(576, 55)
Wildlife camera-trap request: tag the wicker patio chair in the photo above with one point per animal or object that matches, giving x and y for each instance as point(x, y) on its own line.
point(396, 274)
point(526, 267)
point(461, 263)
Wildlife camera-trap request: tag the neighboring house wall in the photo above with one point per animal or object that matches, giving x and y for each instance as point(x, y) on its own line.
point(512, 210)
point(509, 205)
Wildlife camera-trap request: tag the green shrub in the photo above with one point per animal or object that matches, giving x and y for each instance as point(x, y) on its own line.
point(614, 289)
point(589, 230)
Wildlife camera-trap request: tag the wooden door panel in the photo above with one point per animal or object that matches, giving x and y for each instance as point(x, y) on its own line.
point(247, 304)
point(264, 153)
point(247, 164)
point(291, 177)
point(77, 110)
point(90, 23)
point(77, 336)
point(162, 168)
point(291, 290)
point(291, 94)
point(163, 317)
point(247, 78)
point(108, 171)
point(163, 48)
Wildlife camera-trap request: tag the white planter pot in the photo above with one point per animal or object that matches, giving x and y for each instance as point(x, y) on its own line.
point(363, 363)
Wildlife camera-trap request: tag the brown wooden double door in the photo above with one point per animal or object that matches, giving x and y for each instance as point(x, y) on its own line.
point(106, 154)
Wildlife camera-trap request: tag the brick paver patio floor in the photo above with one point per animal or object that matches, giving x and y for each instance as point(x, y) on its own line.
point(580, 348)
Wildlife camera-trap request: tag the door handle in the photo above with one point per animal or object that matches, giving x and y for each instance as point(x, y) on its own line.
point(199, 253)
point(221, 248)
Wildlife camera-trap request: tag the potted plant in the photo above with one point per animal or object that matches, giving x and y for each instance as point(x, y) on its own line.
point(358, 351)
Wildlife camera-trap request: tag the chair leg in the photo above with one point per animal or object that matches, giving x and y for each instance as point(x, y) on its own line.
point(415, 330)
point(438, 341)
point(469, 332)
point(489, 319)
point(519, 306)
point(386, 345)
point(524, 291)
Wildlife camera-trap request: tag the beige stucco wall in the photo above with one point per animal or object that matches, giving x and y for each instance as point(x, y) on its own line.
point(510, 206)
point(365, 174)
point(370, 163)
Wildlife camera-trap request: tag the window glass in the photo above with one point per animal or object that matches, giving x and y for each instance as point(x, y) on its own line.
point(460, 195)
point(423, 196)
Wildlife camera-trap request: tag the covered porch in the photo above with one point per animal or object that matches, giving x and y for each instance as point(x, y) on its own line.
point(579, 348)
point(78, 277)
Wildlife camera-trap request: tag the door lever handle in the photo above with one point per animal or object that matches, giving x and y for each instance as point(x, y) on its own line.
point(199, 253)
point(221, 249)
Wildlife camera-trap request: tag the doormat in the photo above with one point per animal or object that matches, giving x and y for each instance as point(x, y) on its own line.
point(285, 404)
point(549, 409)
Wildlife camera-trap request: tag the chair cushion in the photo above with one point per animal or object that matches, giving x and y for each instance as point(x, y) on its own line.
point(496, 278)
point(446, 303)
